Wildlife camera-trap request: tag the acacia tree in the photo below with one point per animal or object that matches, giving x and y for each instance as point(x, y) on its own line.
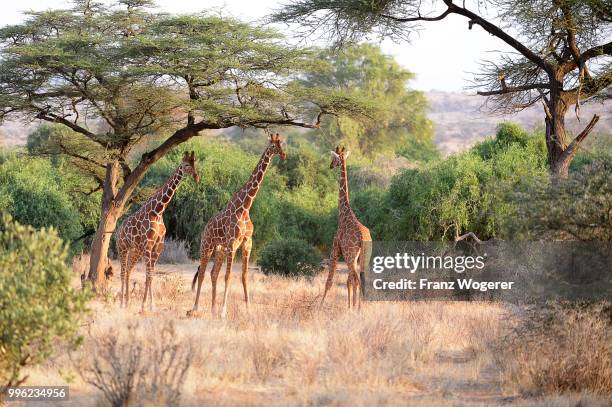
point(365, 71)
point(116, 75)
point(561, 59)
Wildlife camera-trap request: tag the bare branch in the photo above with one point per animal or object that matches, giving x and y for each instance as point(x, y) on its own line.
point(418, 18)
point(573, 147)
point(513, 89)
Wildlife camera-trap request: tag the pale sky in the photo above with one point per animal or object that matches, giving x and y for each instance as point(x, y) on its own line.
point(442, 55)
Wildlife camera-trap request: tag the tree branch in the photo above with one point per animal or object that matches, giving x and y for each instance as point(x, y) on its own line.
point(53, 118)
point(79, 156)
point(499, 33)
point(418, 18)
point(604, 49)
point(180, 136)
point(573, 147)
point(513, 89)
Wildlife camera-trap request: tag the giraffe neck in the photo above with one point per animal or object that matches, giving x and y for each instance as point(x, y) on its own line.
point(344, 205)
point(163, 196)
point(246, 195)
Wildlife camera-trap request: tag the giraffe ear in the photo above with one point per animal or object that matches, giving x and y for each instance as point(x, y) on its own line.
point(346, 154)
point(335, 154)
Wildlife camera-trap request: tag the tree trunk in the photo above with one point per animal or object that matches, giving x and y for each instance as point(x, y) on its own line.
point(556, 139)
point(110, 213)
point(555, 142)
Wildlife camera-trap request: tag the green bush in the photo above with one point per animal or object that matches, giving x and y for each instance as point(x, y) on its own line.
point(471, 191)
point(419, 150)
point(305, 215)
point(307, 167)
point(577, 208)
point(33, 192)
point(372, 207)
point(39, 309)
point(507, 134)
point(290, 257)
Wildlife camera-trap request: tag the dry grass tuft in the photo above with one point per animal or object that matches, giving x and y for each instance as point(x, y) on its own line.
point(175, 252)
point(132, 366)
point(558, 351)
point(170, 288)
point(267, 356)
point(300, 305)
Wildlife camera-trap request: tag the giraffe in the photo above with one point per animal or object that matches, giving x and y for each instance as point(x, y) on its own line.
point(231, 229)
point(352, 239)
point(143, 232)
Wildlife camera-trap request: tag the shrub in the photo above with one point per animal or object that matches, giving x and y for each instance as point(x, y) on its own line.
point(175, 252)
point(290, 257)
point(38, 307)
point(33, 193)
point(305, 215)
point(576, 208)
point(419, 150)
point(307, 167)
point(440, 200)
point(137, 366)
point(373, 209)
point(471, 191)
point(506, 135)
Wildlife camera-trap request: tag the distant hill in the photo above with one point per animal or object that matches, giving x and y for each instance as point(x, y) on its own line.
point(459, 122)
point(15, 133)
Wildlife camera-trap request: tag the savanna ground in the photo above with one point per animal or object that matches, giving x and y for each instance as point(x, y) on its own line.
point(288, 351)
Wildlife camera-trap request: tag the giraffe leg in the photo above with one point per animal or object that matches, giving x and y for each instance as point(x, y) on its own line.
point(150, 260)
point(246, 253)
point(349, 283)
point(159, 247)
point(230, 251)
point(214, 275)
point(333, 261)
point(133, 258)
point(201, 271)
point(353, 277)
point(123, 255)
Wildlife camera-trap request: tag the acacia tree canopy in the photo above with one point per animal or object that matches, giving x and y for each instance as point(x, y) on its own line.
point(562, 49)
point(365, 72)
point(117, 74)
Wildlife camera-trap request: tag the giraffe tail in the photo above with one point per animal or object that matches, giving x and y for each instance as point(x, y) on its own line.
point(364, 260)
point(195, 279)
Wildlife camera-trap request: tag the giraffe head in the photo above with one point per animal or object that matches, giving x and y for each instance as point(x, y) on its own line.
point(189, 166)
point(338, 157)
point(276, 146)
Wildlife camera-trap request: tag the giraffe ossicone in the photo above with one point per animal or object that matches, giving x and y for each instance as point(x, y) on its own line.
point(352, 239)
point(231, 229)
point(143, 232)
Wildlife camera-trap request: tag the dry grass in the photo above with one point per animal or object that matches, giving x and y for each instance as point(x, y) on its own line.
point(130, 367)
point(559, 350)
point(175, 252)
point(289, 351)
